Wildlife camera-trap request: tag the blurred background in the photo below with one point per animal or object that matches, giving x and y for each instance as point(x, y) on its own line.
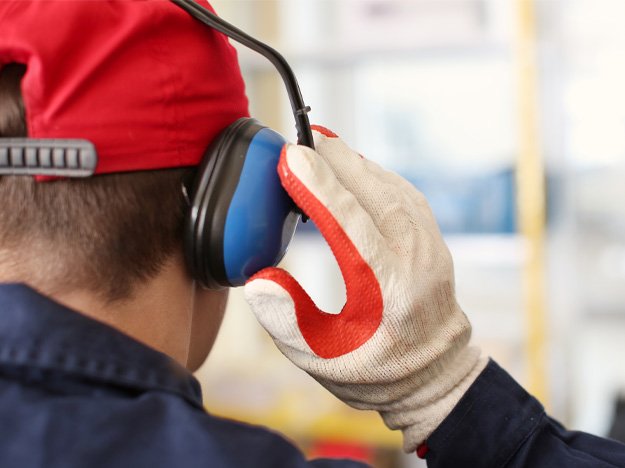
point(510, 116)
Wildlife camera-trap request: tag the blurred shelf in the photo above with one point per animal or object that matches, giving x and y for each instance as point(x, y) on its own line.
point(340, 58)
point(487, 250)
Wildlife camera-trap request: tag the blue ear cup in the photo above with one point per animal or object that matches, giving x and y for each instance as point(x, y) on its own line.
point(241, 220)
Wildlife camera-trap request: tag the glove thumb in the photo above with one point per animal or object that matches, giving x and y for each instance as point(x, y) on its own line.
point(271, 294)
point(297, 325)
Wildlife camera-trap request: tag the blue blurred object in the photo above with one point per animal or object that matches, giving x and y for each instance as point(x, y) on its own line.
point(475, 204)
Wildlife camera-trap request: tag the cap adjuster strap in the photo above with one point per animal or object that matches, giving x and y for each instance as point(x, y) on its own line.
point(47, 157)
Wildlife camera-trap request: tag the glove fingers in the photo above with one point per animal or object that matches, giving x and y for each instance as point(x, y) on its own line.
point(335, 210)
point(391, 201)
point(270, 294)
point(411, 193)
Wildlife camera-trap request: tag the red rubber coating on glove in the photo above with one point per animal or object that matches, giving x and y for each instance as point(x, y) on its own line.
point(330, 335)
point(324, 131)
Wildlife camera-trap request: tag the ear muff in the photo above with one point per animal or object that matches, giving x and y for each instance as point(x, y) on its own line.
point(241, 220)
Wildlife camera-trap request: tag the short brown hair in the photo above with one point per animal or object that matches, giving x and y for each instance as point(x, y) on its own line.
point(104, 234)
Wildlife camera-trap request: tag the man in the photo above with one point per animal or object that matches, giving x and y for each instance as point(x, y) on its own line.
point(100, 322)
point(98, 315)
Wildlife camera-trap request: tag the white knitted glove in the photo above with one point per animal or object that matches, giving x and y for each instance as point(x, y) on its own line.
point(399, 346)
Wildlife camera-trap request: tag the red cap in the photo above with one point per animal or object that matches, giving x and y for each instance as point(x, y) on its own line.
point(146, 83)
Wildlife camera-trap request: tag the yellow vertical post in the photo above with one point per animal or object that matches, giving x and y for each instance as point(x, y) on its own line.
point(531, 197)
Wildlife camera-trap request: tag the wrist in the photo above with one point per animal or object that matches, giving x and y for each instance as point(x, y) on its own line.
point(423, 410)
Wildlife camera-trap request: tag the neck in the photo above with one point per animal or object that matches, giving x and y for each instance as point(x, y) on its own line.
point(159, 313)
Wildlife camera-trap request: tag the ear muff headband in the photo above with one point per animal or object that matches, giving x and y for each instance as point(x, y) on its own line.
point(300, 110)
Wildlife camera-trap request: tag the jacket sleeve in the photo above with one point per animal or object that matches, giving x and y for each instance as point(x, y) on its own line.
point(498, 424)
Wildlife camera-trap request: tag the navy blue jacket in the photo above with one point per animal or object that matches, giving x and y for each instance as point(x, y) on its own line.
point(77, 393)
point(498, 424)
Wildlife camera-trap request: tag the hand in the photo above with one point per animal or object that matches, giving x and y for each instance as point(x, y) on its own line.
point(400, 343)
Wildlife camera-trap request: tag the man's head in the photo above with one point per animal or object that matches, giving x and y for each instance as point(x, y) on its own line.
point(151, 88)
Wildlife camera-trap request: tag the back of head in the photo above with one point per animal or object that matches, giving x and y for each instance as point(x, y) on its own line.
point(102, 234)
point(150, 113)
